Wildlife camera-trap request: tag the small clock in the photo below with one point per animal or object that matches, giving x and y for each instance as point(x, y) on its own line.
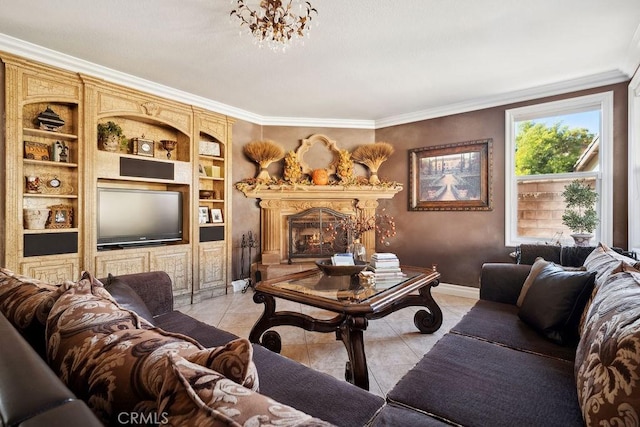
point(54, 183)
point(143, 147)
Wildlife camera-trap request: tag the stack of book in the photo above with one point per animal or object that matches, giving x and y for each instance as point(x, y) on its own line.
point(385, 266)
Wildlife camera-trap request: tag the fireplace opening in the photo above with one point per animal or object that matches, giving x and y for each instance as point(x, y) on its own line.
point(317, 233)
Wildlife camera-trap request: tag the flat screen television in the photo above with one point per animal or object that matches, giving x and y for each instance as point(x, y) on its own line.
point(136, 217)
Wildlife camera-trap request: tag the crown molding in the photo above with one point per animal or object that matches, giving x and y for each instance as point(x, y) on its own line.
point(311, 122)
point(57, 59)
point(633, 54)
point(597, 80)
point(51, 57)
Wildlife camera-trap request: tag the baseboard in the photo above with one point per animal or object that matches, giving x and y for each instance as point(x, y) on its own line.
point(457, 290)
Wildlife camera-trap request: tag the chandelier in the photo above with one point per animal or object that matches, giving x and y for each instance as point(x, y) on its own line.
point(274, 23)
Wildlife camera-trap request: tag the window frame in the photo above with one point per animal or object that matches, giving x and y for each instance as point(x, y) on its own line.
point(604, 176)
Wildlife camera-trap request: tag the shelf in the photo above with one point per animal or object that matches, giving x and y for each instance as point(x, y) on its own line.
point(210, 178)
point(212, 224)
point(50, 163)
point(49, 134)
point(211, 200)
point(51, 230)
point(51, 196)
point(216, 158)
point(150, 158)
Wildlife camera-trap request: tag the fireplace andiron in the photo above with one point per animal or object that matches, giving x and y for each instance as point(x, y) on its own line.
point(247, 243)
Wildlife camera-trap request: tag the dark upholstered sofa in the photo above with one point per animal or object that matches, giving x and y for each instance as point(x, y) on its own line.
point(32, 395)
point(496, 367)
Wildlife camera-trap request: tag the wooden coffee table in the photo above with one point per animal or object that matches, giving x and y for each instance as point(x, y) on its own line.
point(354, 305)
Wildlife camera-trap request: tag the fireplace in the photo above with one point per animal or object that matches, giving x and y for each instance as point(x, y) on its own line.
point(316, 233)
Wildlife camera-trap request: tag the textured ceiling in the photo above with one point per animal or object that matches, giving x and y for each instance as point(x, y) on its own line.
point(365, 60)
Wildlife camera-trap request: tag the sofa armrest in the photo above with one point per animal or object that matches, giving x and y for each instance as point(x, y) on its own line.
point(502, 282)
point(29, 388)
point(154, 288)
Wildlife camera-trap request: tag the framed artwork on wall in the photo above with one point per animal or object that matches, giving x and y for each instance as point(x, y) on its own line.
point(451, 177)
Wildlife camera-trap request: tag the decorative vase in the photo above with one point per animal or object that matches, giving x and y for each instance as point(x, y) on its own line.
point(35, 219)
point(33, 184)
point(320, 176)
point(582, 239)
point(169, 146)
point(358, 250)
point(110, 143)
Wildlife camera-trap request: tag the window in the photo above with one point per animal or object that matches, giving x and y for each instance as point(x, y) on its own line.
point(547, 146)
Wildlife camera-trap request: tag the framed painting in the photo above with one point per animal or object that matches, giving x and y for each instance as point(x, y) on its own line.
point(451, 177)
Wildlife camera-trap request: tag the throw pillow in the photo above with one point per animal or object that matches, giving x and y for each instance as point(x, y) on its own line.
point(607, 365)
point(536, 268)
point(554, 303)
point(603, 260)
point(127, 298)
point(234, 360)
point(26, 303)
point(196, 396)
point(113, 360)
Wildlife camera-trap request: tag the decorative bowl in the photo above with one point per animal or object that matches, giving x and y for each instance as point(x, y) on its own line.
point(205, 194)
point(340, 270)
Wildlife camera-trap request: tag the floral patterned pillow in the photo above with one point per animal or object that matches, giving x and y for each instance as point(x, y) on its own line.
point(24, 300)
point(607, 364)
point(603, 260)
point(193, 395)
point(114, 360)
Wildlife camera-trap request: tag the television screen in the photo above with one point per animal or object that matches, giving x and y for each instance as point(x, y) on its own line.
point(130, 216)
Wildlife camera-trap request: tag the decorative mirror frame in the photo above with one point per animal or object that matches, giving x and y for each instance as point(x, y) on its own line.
point(306, 146)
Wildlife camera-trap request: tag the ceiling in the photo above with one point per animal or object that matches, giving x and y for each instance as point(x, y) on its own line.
point(368, 63)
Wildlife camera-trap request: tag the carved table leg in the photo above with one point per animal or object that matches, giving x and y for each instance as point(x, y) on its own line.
point(271, 339)
point(270, 318)
point(351, 334)
point(430, 321)
point(427, 321)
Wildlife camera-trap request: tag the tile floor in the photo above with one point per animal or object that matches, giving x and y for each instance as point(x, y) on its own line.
point(393, 345)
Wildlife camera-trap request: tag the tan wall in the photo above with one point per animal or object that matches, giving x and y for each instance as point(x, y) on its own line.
point(459, 242)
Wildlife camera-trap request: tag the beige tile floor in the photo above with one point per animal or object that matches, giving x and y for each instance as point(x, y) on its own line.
point(393, 345)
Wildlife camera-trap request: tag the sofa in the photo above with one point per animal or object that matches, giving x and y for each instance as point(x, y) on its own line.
point(126, 366)
point(514, 360)
point(517, 358)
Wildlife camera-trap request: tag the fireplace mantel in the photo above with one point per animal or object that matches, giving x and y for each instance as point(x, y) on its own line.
point(277, 202)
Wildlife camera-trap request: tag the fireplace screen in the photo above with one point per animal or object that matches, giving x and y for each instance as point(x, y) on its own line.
point(317, 233)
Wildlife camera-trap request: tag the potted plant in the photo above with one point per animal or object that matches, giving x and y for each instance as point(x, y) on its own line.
point(580, 215)
point(110, 136)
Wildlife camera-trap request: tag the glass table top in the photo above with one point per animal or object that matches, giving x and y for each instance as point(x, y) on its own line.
point(349, 289)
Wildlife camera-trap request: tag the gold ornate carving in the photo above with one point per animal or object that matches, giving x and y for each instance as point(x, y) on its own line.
point(37, 86)
point(306, 145)
point(150, 108)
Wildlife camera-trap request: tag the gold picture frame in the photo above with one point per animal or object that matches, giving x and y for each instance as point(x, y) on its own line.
point(451, 177)
point(61, 216)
